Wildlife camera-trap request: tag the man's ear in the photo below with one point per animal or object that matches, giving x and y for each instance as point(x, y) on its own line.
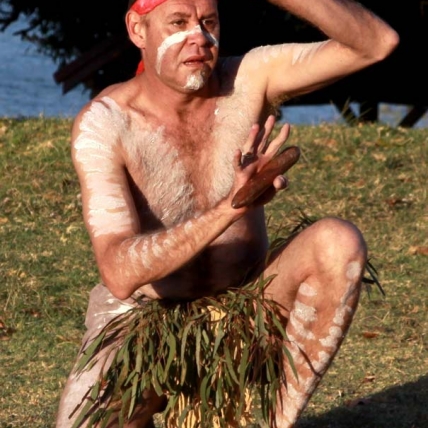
point(136, 28)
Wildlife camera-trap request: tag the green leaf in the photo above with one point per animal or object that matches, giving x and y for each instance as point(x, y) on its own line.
point(229, 364)
point(198, 349)
point(90, 352)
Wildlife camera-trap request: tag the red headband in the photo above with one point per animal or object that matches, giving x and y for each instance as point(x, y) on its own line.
point(142, 7)
point(145, 6)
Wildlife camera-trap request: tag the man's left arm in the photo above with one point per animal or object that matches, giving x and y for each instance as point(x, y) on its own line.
point(355, 39)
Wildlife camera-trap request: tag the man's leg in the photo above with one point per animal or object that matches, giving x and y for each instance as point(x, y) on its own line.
point(76, 388)
point(102, 308)
point(318, 283)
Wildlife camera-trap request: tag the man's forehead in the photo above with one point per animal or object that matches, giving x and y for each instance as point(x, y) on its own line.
point(145, 6)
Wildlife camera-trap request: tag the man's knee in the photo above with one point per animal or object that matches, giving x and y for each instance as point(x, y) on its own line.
point(338, 241)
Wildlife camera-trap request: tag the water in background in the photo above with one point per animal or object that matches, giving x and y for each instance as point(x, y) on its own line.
point(27, 88)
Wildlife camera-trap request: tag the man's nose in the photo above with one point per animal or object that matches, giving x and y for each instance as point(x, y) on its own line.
point(200, 36)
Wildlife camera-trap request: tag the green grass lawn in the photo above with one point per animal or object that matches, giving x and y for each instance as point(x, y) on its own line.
point(373, 175)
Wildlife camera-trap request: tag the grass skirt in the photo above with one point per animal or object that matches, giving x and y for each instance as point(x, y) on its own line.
point(218, 360)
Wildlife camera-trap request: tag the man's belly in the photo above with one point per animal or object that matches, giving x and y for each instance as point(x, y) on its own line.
point(233, 260)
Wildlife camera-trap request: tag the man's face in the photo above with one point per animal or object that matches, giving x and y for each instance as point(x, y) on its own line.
point(182, 42)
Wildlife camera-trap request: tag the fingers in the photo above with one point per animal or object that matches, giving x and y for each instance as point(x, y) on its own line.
point(250, 144)
point(279, 140)
point(258, 138)
point(280, 182)
point(265, 133)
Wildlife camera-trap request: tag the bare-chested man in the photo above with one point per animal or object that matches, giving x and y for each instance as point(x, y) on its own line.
point(159, 161)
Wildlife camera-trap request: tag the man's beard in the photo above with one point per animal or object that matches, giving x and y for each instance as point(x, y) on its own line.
point(196, 81)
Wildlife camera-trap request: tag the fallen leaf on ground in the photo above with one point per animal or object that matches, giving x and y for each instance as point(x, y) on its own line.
point(418, 250)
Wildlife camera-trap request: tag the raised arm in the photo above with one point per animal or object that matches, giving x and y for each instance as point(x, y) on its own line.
point(355, 39)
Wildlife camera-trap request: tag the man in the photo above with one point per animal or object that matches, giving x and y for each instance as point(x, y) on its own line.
point(160, 157)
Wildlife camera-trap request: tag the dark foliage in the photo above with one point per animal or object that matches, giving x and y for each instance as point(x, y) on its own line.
point(65, 30)
point(95, 32)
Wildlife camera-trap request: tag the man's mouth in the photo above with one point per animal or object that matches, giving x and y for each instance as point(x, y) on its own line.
point(196, 60)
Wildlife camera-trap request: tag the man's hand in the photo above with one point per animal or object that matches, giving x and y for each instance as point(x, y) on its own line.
point(254, 157)
point(262, 181)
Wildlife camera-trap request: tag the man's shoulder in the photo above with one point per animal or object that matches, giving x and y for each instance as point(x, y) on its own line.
point(102, 117)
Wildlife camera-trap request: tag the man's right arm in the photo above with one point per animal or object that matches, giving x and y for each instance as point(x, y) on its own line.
point(129, 257)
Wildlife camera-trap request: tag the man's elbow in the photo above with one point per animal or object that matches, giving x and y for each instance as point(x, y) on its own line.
point(387, 45)
point(115, 284)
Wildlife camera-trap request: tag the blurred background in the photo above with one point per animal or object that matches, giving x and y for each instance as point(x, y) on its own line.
point(55, 56)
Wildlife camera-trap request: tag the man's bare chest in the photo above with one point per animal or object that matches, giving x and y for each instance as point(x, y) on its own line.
point(179, 174)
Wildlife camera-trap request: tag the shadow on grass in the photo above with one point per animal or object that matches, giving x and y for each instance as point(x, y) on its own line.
point(403, 406)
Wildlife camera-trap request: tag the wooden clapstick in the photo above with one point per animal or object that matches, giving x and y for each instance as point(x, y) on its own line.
point(261, 181)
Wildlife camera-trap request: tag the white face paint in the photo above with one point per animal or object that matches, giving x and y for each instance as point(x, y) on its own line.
point(197, 80)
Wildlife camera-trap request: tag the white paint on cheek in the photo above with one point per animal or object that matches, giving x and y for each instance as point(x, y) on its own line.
point(300, 328)
point(305, 312)
point(172, 40)
point(353, 271)
point(306, 290)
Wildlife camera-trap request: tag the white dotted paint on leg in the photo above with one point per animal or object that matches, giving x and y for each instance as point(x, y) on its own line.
point(296, 350)
point(353, 271)
point(306, 290)
point(332, 340)
point(339, 316)
point(299, 328)
point(305, 312)
point(281, 420)
point(298, 399)
point(320, 365)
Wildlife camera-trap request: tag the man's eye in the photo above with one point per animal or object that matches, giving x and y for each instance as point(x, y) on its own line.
point(179, 23)
point(209, 23)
